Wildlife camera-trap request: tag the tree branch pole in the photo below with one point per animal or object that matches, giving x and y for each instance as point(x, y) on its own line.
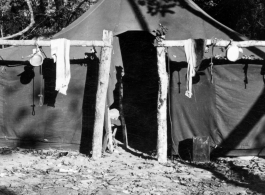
point(103, 81)
point(165, 43)
point(47, 43)
point(216, 42)
point(162, 106)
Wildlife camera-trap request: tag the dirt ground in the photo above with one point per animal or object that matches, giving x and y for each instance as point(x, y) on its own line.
point(44, 172)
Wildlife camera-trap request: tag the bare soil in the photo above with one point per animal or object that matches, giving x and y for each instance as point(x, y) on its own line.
point(126, 171)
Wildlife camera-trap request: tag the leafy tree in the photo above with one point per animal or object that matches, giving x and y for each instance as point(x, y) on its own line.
point(50, 16)
point(246, 17)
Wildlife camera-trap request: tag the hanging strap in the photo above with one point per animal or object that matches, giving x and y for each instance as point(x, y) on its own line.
point(246, 75)
point(211, 63)
point(33, 105)
point(41, 88)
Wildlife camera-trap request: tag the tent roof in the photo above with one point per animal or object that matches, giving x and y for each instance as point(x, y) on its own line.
point(183, 19)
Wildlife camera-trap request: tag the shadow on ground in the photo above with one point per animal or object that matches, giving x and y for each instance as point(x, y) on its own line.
point(229, 173)
point(5, 191)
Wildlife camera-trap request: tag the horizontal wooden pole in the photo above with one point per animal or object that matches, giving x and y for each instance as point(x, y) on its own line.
point(47, 43)
point(217, 43)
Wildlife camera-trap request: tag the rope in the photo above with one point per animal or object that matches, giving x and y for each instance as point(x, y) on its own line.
point(214, 41)
point(41, 88)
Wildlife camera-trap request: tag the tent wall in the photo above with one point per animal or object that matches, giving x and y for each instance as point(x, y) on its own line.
point(69, 124)
point(58, 126)
point(232, 115)
point(229, 110)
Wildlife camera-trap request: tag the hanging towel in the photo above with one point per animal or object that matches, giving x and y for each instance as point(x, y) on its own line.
point(194, 50)
point(60, 50)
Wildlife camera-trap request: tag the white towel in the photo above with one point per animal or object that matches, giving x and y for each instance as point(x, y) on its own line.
point(60, 50)
point(191, 59)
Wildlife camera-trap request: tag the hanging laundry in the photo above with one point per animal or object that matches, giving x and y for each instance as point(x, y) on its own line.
point(194, 50)
point(60, 50)
point(49, 76)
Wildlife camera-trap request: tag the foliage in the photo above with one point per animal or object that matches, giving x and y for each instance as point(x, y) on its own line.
point(246, 17)
point(50, 16)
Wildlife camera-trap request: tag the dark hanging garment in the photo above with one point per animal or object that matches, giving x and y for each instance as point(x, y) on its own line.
point(27, 76)
point(49, 76)
point(199, 46)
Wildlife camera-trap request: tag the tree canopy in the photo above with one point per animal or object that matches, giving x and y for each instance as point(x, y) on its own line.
point(246, 17)
point(50, 16)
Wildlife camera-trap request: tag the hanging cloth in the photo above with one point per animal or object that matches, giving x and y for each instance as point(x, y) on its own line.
point(194, 50)
point(49, 76)
point(60, 50)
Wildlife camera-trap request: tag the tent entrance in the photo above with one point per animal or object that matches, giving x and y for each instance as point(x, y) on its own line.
point(140, 84)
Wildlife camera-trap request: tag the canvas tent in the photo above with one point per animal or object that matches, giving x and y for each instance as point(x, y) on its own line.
point(229, 110)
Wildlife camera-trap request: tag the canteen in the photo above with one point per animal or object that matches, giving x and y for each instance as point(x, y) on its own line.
point(36, 58)
point(232, 53)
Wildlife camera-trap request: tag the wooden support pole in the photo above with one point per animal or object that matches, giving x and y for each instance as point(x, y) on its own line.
point(218, 43)
point(103, 81)
point(164, 43)
point(162, 106)
point(47, 43)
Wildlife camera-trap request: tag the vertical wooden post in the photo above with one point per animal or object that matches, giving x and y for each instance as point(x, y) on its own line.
point(162, 106)
point(103, 81)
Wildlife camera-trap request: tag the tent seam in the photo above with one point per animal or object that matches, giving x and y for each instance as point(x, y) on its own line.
point(117, 21)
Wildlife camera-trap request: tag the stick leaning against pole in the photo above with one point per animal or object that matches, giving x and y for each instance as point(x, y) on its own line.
point(103, 81)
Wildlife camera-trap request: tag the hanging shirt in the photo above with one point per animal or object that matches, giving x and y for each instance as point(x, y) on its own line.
point(191, 60)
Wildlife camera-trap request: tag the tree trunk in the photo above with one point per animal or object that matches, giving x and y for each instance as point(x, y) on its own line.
point(103, 81)
point(162, 106)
